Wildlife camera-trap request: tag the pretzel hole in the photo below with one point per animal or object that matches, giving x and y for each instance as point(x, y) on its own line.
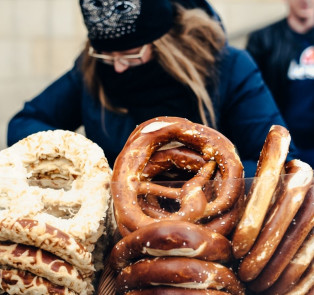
point(52, 172)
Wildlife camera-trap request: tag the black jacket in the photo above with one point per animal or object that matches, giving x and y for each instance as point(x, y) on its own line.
point(274, 48)
point(269, 49)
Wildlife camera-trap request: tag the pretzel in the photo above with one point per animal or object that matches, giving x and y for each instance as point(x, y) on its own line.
point(168, 238)
point(305, 284)
point(179, 157)
point(297, 183)
point(53, 175)
point(190, 190)
point(295, 235)
point(270, 165)
point(14, 281)
point(174, 291)
point(140, 146)
point(177, 272)
point(45, 264)
point(294, 270)
point(185, 158)
point(44, 236)
point(225, 223)
point(152, 207)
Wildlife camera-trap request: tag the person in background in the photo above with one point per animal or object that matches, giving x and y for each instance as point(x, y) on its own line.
point(284, 52)
point(148, 58)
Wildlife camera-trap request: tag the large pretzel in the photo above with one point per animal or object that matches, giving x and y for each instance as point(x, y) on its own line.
point(187, 159)
point(168, 238)
point(267, 176)
point(175, 291)
point(178, 272)
point(149, 137)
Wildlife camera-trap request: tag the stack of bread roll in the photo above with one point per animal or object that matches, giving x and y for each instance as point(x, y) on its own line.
point(55, 214)
point(165, 249)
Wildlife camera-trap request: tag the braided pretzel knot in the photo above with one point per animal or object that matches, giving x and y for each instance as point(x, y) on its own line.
point(150, 136)
point(191, 161)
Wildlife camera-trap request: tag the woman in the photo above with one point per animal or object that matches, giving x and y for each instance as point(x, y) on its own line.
point(148, 58)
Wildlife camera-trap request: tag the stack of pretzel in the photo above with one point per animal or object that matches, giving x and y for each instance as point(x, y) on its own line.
point(184, 250)
point(274, 238)
point(176, 240)
point(55, 214)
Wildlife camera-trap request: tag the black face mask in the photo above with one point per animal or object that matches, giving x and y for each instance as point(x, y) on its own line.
point(148, 91)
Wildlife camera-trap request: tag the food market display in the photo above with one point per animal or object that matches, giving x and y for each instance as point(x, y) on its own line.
point(176, 215)
point(55, 206)
point(173, 236)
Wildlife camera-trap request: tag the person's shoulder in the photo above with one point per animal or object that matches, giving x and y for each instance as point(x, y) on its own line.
point(268, 29)
point(235, 55)
point(236, 62)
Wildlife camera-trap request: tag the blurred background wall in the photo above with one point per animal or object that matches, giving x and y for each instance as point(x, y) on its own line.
point(39, 40)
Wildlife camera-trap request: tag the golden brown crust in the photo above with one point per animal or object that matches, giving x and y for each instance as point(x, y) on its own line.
point(168, 238)
point(180, 272)
point(295, 235)
point(305, 284)
point(225, 223)
point(295, 269)
point(179, 157)
point(148, 138)
point(296, 184)
point(270, 165)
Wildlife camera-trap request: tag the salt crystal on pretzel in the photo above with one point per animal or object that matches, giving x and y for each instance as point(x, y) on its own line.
point(168, 238)
point(305, 286)
point(178, 272)
point(298, 230)
point(296, 184)
point(294, 270)
point(148, 138)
